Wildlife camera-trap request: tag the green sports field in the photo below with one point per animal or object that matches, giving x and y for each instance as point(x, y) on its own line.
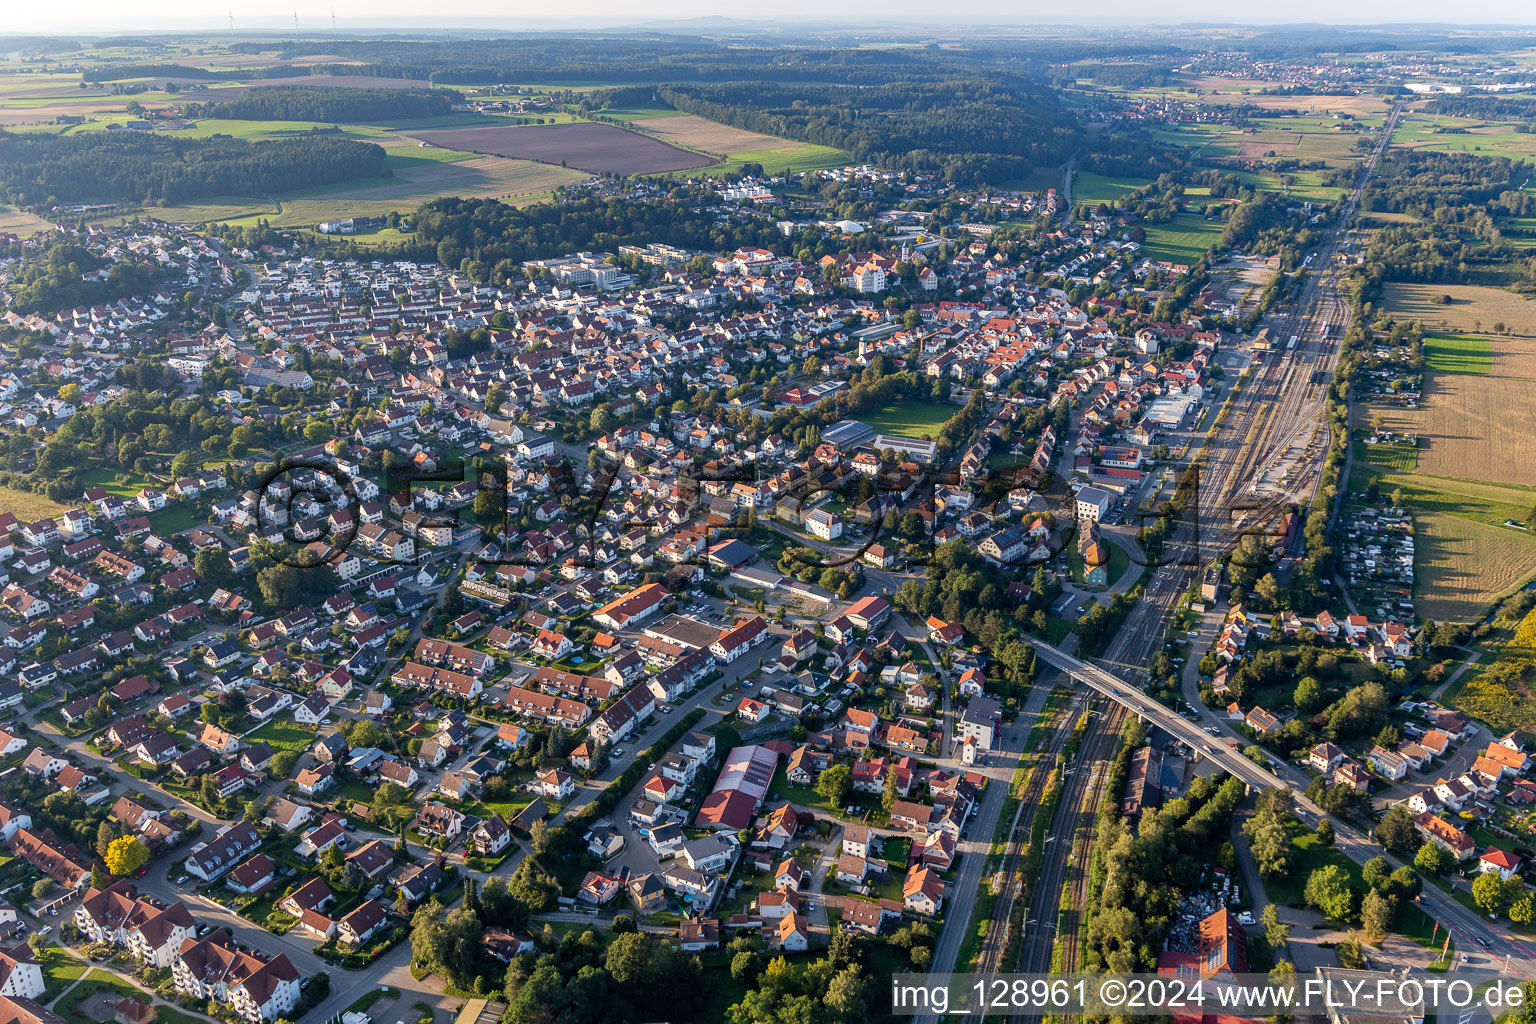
point(910, 418)
point(1182, 240)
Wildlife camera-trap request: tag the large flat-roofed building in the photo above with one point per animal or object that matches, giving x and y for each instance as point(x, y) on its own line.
point(685, 631)
point(1092, 503)
point(848, 434)
point(913, 448)
point(1169, 412)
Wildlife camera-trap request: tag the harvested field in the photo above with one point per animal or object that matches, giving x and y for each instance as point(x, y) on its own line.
point(1475, 427)
point(1472, 307)
point(1464, 566)
point(590, 147)
point(710, 136)
point(19, 222)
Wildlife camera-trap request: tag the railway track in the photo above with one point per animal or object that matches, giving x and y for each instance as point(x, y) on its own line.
point(998, 926)
point(1060, 891)
point(1097, 762)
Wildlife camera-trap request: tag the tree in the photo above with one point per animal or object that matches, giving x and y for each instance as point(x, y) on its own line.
point(104, 837)
point(1309, 694)
point(42, 887)
point(213, 566)
point(1328, 890)
point(1492, 894)
point(283, 763)
point(745, 967)
point(1524, 909)
point(1377, 872)
point(1431, 859)
point(1350, 954)
point(848, 994)
point(1277, 932)
point(1395, 831)
point(833, 784)
point(1270, 846)
point(888, 795)
point(629, 959)
point(538, 838)
point(1324, 832)
point(488, 505)
point(1376, 913)
point(126, 855)
point(281, 585)
point(1283, 977)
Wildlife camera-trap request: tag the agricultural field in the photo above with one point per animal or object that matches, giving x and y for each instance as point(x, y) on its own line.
point(1472, 307)
point(423, 178)
point(1304, 138)
point(910, 418)
point(1468, 135)
point(1462, 567)
point(1475, 469)
point(1182, 240)
point(1473, 426)
point(696, 132)
point(1458, 353)
point(29, 507)
point(738, 146)
point(591, 147)
point(20, 222)
point(1306, 185)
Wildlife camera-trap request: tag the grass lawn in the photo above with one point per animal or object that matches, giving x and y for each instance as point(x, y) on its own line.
point(1458, 353)
point(105, 478)
point(94, 982)
point(176, 518)
point(60, 970)
point(508, 809)
point(1096, 188)
point(283, 736)
point(911, 418)
point(1182, 240)
point(1307, 856)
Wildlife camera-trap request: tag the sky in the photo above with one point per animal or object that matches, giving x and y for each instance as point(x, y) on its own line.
point(87, 16)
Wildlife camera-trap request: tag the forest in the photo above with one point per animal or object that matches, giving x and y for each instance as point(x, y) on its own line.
point(968, 130)
point(1418, 182)
point(1492, 108)
point(301, 103)
point(124, 72)
point(132, 166)
point(555, 59)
